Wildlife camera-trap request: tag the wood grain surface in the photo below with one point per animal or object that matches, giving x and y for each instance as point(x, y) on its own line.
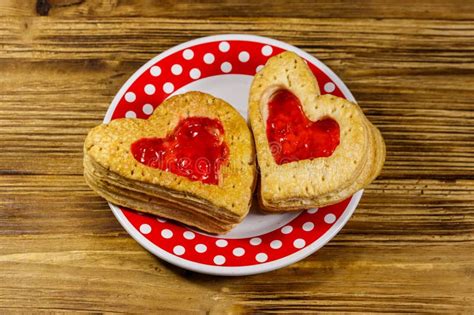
point(408, 248)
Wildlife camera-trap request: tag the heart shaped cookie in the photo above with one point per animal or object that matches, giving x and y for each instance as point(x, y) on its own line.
point(191, 161)
point(313, 150)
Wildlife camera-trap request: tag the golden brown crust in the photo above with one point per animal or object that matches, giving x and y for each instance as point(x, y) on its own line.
point(317, 182)
point(108, 146)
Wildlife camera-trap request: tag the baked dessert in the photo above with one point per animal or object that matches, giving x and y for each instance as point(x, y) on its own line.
point(313, 150)
point(192, 161)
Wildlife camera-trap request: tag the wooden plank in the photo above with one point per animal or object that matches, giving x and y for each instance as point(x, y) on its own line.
point(339, 39)
point(426, 211)
point(373, 9)
point(98, 273)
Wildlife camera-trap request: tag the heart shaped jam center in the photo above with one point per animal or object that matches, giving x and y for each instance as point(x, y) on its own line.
point(194, 149)
point(292, 136)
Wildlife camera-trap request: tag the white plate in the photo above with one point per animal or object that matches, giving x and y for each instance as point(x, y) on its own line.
point(224, 66)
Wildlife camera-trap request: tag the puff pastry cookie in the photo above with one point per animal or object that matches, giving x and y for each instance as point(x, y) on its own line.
point(192, 161)
point(313, 150)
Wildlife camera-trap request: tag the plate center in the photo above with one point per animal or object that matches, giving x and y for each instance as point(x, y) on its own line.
point(232, 88)
point(257, 223)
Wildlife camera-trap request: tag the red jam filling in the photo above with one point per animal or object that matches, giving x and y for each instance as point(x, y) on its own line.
point(292, 136)
point(194, 149)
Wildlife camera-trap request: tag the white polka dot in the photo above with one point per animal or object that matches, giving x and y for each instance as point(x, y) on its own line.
point(200, 248)
point(312, 211)
point(167, 233)
point(161, 220)
point(176, 69)
point(179, 250)
point(130, 97)
point(221, 243)
point(259, 68)
point(219, 260)
point(147, 109)
point(308, 226)
point(261, 257)
point(189, 235)
point(329, 218)
point(195, 73)
point(155, 71)
point(238, 251)
point(287, 229)
point(329, 87)
point(267, 50)
point(226, 67)
point(244, 56)
point(130, 114)
point(168, 87)
point(276, 244)
point(150, 89)
point(299, 243)
point(145, 228)
point(224, 46)
point(188, 54)
point(209, 58)
point(256, 241)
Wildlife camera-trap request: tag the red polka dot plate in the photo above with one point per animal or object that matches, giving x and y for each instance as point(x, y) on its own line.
point(224, 66)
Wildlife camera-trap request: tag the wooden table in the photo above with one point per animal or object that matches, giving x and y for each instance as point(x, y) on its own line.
point(408, 248)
